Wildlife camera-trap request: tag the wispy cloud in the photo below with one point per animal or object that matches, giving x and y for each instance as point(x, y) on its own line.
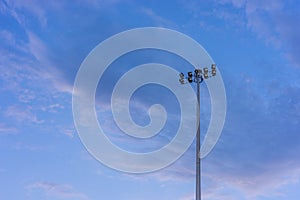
point(188, 197)
point(20, 146)
point(251, 158)
point(158, 19)
point(271, 23)
point(21, 115)
point(4, 130)
point(268, 20)
point(33, 7)
point(256, 155)
point(33, 84)
point(42, 53)
point(251, 184)
point(27, 51)
point(69, 132)
point(182, 171)
point(61, 191)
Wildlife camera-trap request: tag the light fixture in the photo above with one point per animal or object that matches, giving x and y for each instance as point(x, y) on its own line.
point(213, 70)
point(198, 72)
point(181, 78)
point(198, 78)
point(205, 70)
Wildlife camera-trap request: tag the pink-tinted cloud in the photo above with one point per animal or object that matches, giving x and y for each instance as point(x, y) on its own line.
point(61, 191)
point(6, 130)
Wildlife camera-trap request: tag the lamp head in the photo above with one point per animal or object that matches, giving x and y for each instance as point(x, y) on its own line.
point(213, 70)
point(205, 70)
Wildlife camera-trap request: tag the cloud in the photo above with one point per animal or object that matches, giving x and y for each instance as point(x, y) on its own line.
point(4, 130)
point(20, 72)
point(101, 4)
point(7, 37)
point(31, 7)
point(182, 170)
point(22, 115)
point(158, 20)
point(257, 151)
point(20, 146)
point(188, 197)
point(69, 132)
point(267, 182)
point(25, 51)
point(257, 154)
point(254, 144)
point(41, 52)
point(274, 21)
point(61, 191)
point(34, 89)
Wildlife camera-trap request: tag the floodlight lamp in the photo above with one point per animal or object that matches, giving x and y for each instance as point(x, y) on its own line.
point(205, 70)
point(181, 81)
point(213, 72)
point(213, 66)
point(190, 74)
point(198, 72)
point(181, 75)
point(190, 79)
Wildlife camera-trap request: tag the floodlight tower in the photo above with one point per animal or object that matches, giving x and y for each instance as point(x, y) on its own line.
point(197, 77)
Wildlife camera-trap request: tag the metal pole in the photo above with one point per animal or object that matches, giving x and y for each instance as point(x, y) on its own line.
point(197, 77)
point(198, 159)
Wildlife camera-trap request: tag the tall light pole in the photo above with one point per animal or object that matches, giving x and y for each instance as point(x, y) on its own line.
point(197, 77)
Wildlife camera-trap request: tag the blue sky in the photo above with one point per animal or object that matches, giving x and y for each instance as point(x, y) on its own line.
point(255, 45)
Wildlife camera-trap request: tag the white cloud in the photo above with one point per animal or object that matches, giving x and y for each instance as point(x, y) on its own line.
point(20, 114)
point(7, 37)
point(29, 53)
point(273, 21)
point(158, 19)
point(20, 146)
point(41, 52)
point(257, 153)
point(268, 183)
point(188, 197)
point(4, 130)
point(102, 3)
point(69, 132)
point(34, 7)
point(61, 191)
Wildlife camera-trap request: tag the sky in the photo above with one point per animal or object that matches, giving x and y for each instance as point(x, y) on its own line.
point(255, 45)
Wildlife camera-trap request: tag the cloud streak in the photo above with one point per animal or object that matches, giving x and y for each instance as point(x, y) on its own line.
point(271, 23)
point(257, 153)
point(61, 191)
point(5, 130)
